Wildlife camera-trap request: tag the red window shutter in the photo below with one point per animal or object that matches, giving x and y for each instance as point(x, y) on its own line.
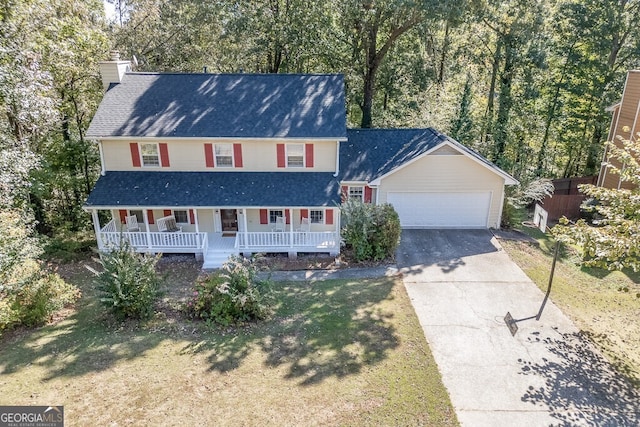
point(308, 148)
point(287, 216)
point(164, 155)
point(123, 214)
point(328, 216)
point(280, 152)
point(367, 194)
point(237, 155)
point(150, 216)
point(167, 212)
point(344, 190)
point(304, 213)
point(208, 155)
point(192, 217)
point(264, 216)
point(135, 154)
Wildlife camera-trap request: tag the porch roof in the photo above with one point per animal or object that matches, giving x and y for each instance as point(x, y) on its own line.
point(219, 189)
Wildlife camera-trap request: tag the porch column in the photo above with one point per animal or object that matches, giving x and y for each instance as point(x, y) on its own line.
point(336, 219)
point(195, 218)
point(96, 227)
point(291, 227)
point(244, 222)
point(146, 227)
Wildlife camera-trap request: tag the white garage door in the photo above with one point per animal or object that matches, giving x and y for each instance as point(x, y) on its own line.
point(441, 210)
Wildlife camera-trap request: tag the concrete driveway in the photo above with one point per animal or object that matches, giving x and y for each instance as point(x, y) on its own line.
point(462, 284)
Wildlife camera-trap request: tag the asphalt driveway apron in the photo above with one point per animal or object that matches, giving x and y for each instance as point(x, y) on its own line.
point(462, 284)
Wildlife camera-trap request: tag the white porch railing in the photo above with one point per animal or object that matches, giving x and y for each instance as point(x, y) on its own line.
point(154, 241)
point(278, 239)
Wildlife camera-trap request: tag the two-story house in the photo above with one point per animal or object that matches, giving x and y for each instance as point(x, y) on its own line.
point(625, 124)
point(220, 164)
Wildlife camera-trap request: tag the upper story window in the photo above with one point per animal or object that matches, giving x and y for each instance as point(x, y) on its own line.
point(150, 154)
point(224, 155)
point(295, 155)
point(356, 193)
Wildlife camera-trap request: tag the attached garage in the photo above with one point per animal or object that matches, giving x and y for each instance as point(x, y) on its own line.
point(441, 210)
point(430, 179)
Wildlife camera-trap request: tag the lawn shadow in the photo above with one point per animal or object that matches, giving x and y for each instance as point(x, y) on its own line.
point(320, 330)
point(76, 345)
point(601, 273)
point(581, 387)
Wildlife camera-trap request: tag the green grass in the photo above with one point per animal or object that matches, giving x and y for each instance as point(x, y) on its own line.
point(604, 304)
point(334, 353)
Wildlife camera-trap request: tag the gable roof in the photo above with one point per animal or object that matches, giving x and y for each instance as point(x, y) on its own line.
point(219, 189)
point(370, 154)
point(223, 105)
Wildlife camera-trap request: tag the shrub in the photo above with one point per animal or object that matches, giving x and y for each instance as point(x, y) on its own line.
point(28, 294)
point(67, 246)
point(372, 231)
point(232, 294)
point(128, 283)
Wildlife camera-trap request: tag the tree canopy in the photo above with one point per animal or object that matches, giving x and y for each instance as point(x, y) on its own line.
point(524, 82)
point(614, 243)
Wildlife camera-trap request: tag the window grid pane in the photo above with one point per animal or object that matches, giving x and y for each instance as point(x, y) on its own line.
point(181, 217)
point(356, 193)
point(316, 216)
point(295, 155)
point(273, 214)
point(224, 155)
point(150, 155)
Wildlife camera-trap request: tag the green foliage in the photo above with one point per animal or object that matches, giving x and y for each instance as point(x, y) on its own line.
point(232, 294)
point(67, 246)
point(28, 294)
point(372, 231)
point(128, 283)
point(612, 241)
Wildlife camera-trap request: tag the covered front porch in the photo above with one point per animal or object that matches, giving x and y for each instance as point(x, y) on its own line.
point(213, 234)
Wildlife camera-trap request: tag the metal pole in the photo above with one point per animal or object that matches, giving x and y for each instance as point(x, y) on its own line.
point(553, 269)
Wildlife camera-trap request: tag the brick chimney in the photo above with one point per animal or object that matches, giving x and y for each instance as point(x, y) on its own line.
point(113, 70)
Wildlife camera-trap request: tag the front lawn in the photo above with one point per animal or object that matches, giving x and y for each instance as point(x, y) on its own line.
point(603, 304)
point(334, 353)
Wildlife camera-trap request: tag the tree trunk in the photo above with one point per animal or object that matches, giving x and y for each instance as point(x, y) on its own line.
point(488, 122)
point(504, 103)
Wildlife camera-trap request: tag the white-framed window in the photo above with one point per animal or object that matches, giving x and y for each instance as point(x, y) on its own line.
point(182, 217)
point(356, 192)
point(139, 215)
point(295, 155)
point(316, 216)
point(150, 154)
point(224, 155)
point(274, 214)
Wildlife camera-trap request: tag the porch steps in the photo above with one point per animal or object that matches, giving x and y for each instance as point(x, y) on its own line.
point(216, 257)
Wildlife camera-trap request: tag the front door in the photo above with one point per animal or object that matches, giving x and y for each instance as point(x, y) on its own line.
point(229, 220)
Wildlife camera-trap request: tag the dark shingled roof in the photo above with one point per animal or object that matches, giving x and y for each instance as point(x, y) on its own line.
point(223, 105)
point(168, 189)
point(369, 154)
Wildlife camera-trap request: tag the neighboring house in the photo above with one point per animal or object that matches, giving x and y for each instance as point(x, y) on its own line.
point(625, 123)
point(221, 164)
